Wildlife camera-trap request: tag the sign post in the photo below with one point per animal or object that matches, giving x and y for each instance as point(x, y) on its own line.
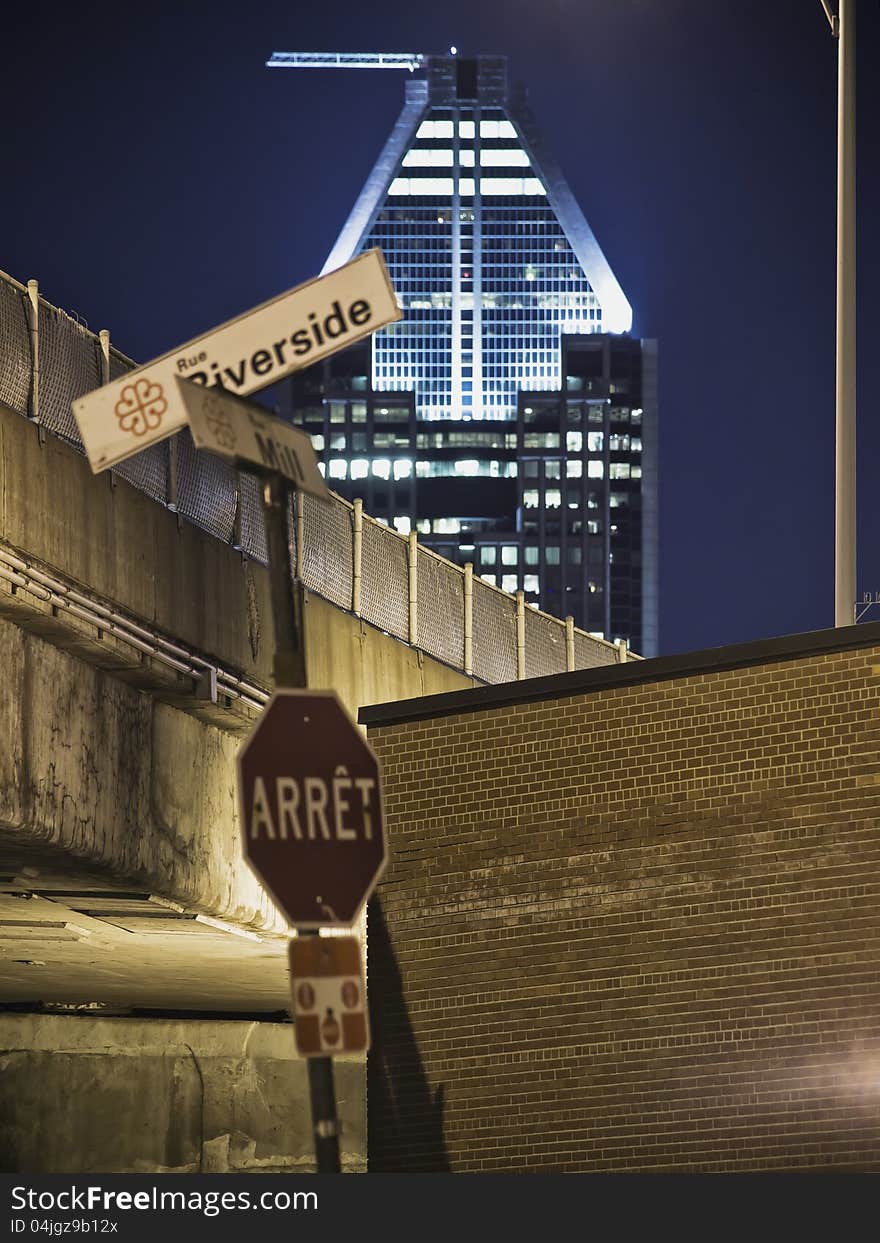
point(309, 785)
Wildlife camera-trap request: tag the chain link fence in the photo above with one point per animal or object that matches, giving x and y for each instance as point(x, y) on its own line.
point(48, 359)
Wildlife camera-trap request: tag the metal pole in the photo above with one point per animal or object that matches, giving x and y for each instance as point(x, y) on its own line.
point(845, 389)
point(34, 316)
point(290, 671)
point(287, 610)
point(469, 618)
point(520, 635)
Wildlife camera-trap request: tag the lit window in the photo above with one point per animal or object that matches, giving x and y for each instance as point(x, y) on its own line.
point(488, 555)
point(595, 527)
point(497, 129)
point(596, 470)
point(446, 526)
point(421, 185)
point(551, 554)
point(635, 443)
point(466, 129)
point(403, 468)
point(322, 468)
point(434, 129)
point(421, 157)
point(381, 467)
point(531, 554)
point(338, 468)
point(551, 469)
point(595, 440)
point(530, 584)
point(402, 524)
point(619, 470)
point(424, 526)
point(504, 158)
point(510, 185)
point(635, 472)
point(318, 443)
point(509, 554)
point(359, 468)
point(467, 467)
point(530, 497)
point(553, 498)
point(509, 582)
point(488, 578)
point(574, 441)
point(574, 468)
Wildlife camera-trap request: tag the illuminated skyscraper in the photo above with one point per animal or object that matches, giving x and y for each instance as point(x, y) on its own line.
point(508, 416)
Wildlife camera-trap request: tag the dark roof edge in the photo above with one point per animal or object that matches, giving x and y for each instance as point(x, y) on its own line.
point(631, 673)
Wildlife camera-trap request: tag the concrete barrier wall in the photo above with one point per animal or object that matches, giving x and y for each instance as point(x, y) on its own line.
point(80, 1095)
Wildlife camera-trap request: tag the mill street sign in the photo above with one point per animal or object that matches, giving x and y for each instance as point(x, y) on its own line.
point(310, 802)
point(246, 434)
point(243, 355)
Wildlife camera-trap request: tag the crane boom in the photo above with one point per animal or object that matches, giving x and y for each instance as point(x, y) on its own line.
point(346, 60)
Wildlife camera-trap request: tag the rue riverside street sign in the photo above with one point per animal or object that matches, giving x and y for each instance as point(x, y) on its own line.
point(311, 809)
point(243, 355)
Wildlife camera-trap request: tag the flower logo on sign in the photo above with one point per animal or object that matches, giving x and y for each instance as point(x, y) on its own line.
point(140, 406)
point(218, 423)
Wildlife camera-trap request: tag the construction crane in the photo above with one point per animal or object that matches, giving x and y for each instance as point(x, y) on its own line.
point(346, 60)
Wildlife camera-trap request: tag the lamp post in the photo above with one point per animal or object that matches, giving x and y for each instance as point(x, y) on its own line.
point(843, 29)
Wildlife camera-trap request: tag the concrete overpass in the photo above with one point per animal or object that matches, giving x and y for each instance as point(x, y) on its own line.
point(136, 645)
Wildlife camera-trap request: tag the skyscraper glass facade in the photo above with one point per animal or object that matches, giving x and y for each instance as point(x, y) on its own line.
point(484, 269)
point(508, 417)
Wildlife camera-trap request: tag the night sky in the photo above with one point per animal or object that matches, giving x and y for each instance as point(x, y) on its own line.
point(157, 180)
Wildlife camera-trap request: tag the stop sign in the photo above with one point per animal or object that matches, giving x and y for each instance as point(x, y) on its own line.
point(310, 800)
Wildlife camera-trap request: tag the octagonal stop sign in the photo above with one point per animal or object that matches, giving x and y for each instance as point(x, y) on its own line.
point(310, 800)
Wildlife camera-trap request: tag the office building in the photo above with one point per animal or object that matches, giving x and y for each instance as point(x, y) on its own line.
point(509, 417)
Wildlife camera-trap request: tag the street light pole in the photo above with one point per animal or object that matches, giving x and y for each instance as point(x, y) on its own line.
point(843, 28)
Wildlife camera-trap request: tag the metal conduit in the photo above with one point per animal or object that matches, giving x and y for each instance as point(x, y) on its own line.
point(43, 587)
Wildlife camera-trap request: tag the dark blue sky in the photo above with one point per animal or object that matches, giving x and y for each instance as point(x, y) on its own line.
point(159, 180)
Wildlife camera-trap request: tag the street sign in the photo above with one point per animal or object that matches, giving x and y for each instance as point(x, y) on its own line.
point(329, 997)
point(248, 435)
point(310, 801)
point(243, 355)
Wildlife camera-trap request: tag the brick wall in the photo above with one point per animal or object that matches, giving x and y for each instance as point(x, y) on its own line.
point(634, 926)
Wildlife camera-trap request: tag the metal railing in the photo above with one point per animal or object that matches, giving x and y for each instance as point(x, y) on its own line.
point(48, 358)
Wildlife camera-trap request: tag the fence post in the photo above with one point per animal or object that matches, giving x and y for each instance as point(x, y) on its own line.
point(357, 555)
point(237, 533)
point(520, 634)
point(104, 338)
point(172, 496)
point(300, 512)
point(569, 644)
point(469, 618)
point(34, 325)
point(621, 650)
point(413, 588)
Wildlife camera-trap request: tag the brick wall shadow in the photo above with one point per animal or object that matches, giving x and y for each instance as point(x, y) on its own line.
point(404, 1120)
